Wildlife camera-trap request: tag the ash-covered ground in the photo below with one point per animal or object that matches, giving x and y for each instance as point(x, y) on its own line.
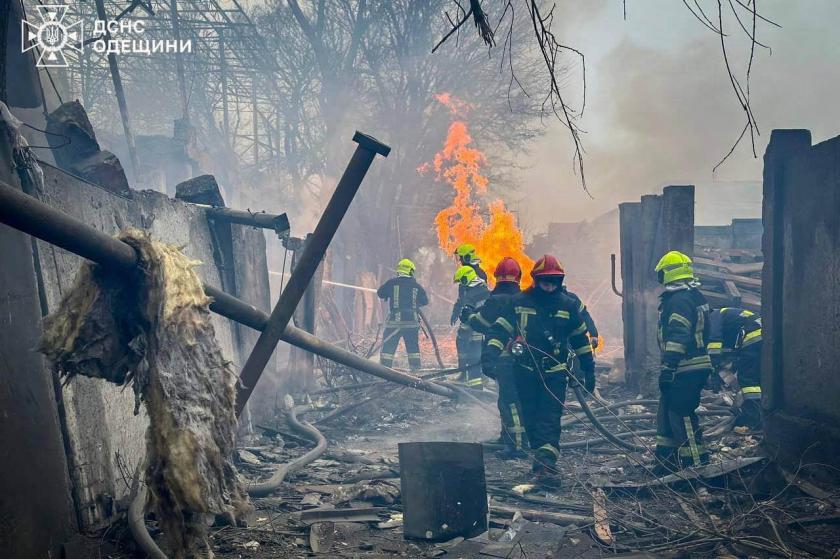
point(347, 503)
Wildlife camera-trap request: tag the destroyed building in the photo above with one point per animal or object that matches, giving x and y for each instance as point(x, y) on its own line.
point(194, 346)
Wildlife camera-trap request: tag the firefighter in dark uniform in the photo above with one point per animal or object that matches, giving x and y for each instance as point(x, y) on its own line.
point(404, 296)
point(466, 255)
point(591, 329)
point(539, 326)
point(508, 275)
point(472, 291)
point(683, 334)
point(736, 334)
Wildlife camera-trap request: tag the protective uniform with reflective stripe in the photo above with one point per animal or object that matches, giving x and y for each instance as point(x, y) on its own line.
point(732, 328)
point(684, 330)
point(468, 341)
point(549, 324)
point(512, 432)
point(404, 296)
point(683, 335)
point(584, 313)
point(736, 333)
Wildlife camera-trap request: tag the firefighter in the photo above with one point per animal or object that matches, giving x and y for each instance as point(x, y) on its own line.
point(683, 333)
point(508, 275)
point(591, 329)
point(472, 291)
point(404, 296)
point(736, 333)
point(465, 253)
point(538, 327)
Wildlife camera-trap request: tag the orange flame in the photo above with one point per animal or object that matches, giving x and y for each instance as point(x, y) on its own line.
point(459, 165)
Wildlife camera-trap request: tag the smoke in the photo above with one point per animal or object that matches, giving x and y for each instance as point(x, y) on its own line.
point(660, 108)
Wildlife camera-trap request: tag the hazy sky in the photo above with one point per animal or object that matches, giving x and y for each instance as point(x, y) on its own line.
point(660, 109)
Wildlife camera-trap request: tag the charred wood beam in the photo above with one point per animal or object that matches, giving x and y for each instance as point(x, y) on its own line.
point(31, 216)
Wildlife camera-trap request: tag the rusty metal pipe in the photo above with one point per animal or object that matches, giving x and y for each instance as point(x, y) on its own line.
point(33, 217)
point(307, 263)
point(612, 272)
point(277, 223)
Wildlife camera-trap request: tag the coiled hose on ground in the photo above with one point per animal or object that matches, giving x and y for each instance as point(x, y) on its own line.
point(136, 520)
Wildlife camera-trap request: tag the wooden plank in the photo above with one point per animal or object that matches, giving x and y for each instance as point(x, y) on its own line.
point(722, 276)
point(718, 300)
point(732, 292)
point(732, 267)
point(560, 518)
point(602, 524)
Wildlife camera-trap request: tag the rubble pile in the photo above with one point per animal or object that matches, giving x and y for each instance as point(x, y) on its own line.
point(153, 331)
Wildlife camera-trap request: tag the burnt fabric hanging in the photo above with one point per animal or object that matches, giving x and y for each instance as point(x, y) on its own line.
point(152, 329)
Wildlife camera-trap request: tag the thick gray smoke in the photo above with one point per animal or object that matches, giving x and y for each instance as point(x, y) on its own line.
point(660, 108)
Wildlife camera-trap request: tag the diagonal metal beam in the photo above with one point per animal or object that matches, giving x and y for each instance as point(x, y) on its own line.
point(308, 262)
point(33, 217)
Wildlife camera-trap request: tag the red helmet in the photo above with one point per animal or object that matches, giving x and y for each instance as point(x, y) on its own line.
point(508, 270)
point(548, 268)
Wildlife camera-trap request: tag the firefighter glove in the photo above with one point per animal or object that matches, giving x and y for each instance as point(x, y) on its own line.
point(666, 378)
point(466, 312)
point(593, 341)
point(454, 318)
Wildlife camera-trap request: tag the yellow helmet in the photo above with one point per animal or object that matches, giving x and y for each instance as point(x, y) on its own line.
point(674, 266)
point(406, 266)
point(465, 252)
point(464, 275)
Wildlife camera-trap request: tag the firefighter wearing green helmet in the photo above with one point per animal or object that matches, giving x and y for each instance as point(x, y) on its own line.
point(466, 255)
point(472, 291)
point(683, 334)
point(404, 296)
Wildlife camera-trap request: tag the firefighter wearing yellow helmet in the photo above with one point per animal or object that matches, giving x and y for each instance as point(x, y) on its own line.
point(404, 296)
point(472, 291)
point(683, 333)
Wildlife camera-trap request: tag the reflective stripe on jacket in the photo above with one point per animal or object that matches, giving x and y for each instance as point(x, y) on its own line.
point(684, 330)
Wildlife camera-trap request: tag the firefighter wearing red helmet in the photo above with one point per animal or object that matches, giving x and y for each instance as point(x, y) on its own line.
point(539, 327)
point(508, 275)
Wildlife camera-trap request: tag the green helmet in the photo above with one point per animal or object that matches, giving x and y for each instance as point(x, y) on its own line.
point(674, 266)
point(465, 252)
point(464, 275)
point(406, 267)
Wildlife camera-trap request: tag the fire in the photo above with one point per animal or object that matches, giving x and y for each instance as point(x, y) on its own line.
point(459, 164)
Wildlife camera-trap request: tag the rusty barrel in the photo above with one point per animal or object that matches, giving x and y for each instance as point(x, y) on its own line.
point(444, 494)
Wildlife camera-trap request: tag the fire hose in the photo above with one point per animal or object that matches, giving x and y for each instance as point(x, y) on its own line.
point(432, 337)
point(136, 521)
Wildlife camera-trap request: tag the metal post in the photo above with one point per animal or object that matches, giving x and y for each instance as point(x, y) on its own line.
point(308, 263)
point(223, 75)
point(35, 218)
point(612, 272)
point(255, 120)
point(118, 89)
point(179, 62)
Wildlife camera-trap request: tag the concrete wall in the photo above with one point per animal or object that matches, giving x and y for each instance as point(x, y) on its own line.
point(801, 297)
point(36, 512)
point(649, 229)
point(103, 440)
